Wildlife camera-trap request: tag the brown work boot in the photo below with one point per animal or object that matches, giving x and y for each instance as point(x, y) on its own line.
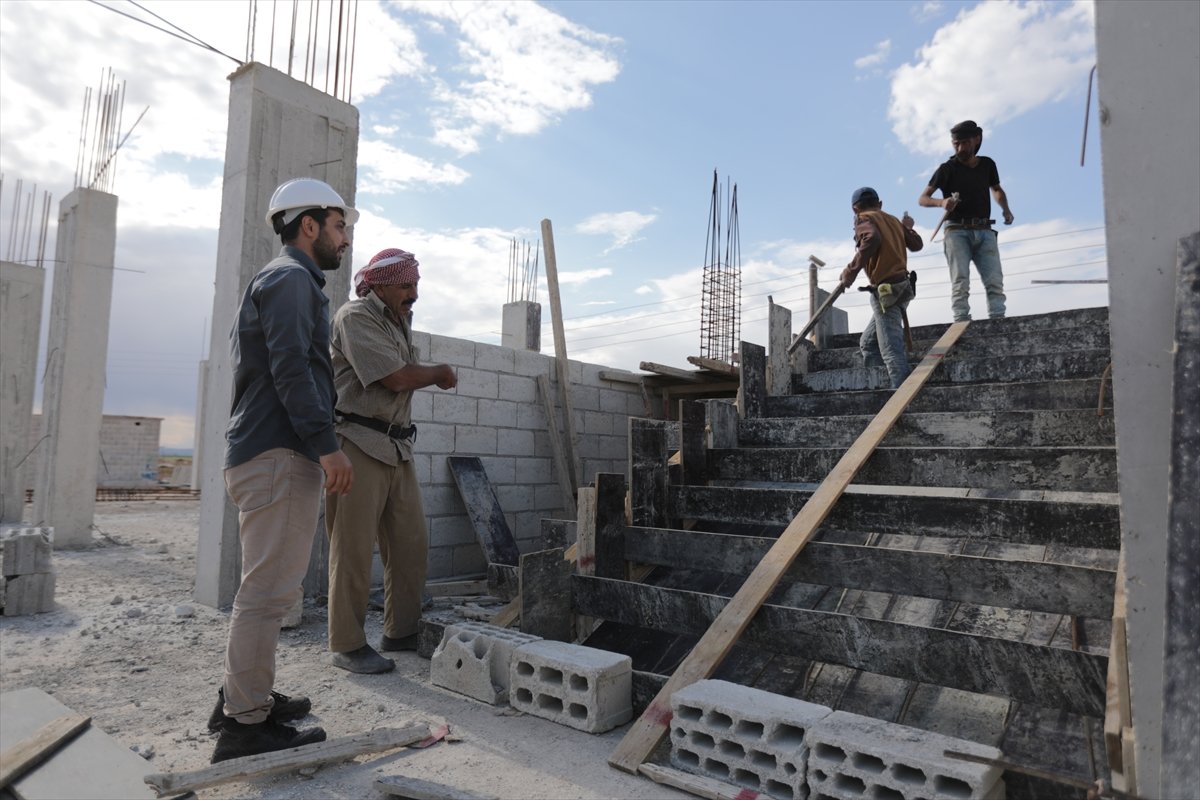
point(238, 739)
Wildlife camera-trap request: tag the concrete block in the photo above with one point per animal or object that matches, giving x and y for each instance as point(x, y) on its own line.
point(468, 559)
point(453, 408)
point(475, 659)
point(519, 389)
point(500, 470)
point(451, 531)
point(25, 550)
point(852, 757)
point(435, 438)
point(422, 405)
point(455, 352)
point(532, 364)
point(478, 383)
point(514, 442)
point(531, 417)
point(585, 398)
point(743, 736)
point(577, 686)
point(493, 358)
point(474, 439)
point(29, 594)
point(597, 422)
point(498, 413)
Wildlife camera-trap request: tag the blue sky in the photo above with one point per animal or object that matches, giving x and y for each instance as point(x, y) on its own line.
point(479, 120)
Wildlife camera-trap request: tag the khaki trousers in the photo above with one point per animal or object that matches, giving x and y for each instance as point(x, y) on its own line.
point(384, 506)
point(278, 495)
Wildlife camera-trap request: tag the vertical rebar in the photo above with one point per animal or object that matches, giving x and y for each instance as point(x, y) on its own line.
point(41, 253)
point(353, 48)
point(292, 40)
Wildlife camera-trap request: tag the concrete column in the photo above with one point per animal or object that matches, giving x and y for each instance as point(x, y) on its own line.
point(197, 426)
point(521, 328)
point(64, 497)
point(20, 323)
point(1145, 51)
point(279, 128)
point(834, 321)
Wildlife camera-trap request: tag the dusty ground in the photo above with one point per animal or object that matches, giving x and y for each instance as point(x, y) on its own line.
point(128, 646)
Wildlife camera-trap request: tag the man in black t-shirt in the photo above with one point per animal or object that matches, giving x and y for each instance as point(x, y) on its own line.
point(964, 180)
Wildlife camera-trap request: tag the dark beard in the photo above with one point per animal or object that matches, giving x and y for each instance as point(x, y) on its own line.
point(325, 254)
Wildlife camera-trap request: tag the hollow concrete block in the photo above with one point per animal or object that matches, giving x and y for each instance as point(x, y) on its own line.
point(577, 686)
point(475, 658)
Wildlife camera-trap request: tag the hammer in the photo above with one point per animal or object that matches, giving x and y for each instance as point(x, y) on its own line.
point(953, 197)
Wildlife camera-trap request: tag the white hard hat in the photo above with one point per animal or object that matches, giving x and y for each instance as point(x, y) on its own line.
point(300, 194)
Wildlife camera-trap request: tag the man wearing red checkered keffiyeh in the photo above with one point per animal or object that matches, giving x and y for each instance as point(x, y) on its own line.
point(376, 369)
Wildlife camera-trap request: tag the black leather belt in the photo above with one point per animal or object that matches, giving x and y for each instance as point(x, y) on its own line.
point(390, 429)
point(970, 223)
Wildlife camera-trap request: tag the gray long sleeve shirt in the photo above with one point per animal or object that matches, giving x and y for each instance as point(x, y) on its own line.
point(283, 393)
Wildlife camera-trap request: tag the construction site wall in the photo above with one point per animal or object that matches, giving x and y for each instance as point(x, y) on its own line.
point(128, 456)
point(496, 413)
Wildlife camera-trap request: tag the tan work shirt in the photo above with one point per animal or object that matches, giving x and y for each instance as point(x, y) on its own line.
point(368, 344)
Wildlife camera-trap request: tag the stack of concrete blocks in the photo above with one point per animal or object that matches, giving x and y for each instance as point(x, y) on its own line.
point(26, 571)
point(852, 757)
point(786, 748)
point(475, 659)
point(577, 686)
point(743, 736)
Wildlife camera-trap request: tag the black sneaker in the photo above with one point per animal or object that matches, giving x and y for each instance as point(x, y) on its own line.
point(364, 661)
point(389, 645)
point(238, 740)
point(285, 709)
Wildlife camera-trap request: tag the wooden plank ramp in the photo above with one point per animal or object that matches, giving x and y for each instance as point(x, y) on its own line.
point(650, 728)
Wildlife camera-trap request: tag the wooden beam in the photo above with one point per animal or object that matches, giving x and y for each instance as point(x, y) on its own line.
point(1051, 677)
point(673, 372)
point(699, 785)
point(31, 751)
point(713, 365)
point(692, 448)
point(610, 526)
point(648, 468)
point(456, 588)
point(562, 466)
point(752, 393)
point(250, 767)
point(1001, 520)
point(1030, 585)
point(648, 730)
point(561, 363)
point(585, 541)
point(417, 789)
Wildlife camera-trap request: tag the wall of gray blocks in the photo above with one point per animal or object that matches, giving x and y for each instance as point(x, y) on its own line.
point(27, 579)
point(128, 457)
point(496, 413)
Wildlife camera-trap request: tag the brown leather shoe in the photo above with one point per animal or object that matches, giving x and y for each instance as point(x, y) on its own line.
point(364, 661)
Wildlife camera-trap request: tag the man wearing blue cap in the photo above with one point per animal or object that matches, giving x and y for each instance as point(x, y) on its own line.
point(882, 243)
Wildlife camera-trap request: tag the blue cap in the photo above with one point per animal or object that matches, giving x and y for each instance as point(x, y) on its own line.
point(865, 193)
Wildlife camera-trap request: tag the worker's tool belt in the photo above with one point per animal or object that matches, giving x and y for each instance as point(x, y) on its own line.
point(970, 224)
point(888, 292)
point(391, 429)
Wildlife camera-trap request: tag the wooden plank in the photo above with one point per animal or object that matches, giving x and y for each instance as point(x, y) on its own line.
point(562, 468)
point(714, 365)
point(91, 766)
point(561, 363)
point(692, 458)
point(1051, 677)
point(417, 789)
point(546, 595)
point(779, 333)
point(585, 541)
point(994, 519)
point(251, 767)
point(483, 509)
point(456, 588)
point(1117, 710)
point(32, 750)
point(1032, 585)
point(752, 392)
point(699, 785)
point(648, 730)
point(610, 526)
point(502, 581)
point(674, 372)
point(648, 468)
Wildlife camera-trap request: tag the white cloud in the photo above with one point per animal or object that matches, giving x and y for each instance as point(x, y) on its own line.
point(928, 9)
point(523, 67)
point(385, 169)
point(876, 56)
point(582, 276)
point(992, 63)
point(622, 226)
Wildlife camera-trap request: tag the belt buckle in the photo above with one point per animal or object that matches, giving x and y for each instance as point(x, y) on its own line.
point(388, 431)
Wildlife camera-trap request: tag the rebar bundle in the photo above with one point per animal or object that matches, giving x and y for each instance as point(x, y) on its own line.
point(721, 283)
point(340, 43)
point(21, 225)
point(522, 271)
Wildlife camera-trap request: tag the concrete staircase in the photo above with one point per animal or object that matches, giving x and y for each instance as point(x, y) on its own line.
point(964, 584)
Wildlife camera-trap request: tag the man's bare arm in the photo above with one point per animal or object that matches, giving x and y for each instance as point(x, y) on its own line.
point(1002, 200)
point(418, 376)
point(927, 200)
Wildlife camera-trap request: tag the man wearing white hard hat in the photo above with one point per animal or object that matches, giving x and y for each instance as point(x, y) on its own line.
point(281, 451)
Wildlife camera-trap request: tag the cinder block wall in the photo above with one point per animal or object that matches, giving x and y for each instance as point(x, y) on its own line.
point(496, 413)
point(128, 457)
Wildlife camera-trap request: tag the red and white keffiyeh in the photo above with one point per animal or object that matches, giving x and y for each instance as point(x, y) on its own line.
point(388, 268)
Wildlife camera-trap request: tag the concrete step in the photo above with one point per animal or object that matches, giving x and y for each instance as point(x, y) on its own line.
point(1027, 395)
point(1074, 318)
point(997, 369)
point(1073, 428)
point(1078, 469)
point(974, 344)
point(975, 515)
